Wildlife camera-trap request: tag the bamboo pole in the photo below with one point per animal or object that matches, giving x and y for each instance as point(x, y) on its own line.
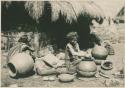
point(6, 49)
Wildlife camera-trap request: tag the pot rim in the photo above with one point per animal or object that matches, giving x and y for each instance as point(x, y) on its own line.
point(10, 68)
point(85, 71)
point(71, 76)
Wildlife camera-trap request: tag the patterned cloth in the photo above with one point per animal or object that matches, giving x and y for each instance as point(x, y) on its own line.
point(18, 48)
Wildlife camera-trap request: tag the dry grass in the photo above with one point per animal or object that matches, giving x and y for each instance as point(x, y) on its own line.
point(70, 9)
point(35, 9)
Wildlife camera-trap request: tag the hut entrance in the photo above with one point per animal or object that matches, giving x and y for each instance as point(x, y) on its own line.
point(58, 30)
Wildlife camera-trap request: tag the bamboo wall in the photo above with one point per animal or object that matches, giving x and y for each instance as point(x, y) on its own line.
point(9, 39)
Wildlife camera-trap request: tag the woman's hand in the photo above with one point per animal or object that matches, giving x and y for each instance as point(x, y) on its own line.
point(84, 54)
point(88, 55)
point(81, 53)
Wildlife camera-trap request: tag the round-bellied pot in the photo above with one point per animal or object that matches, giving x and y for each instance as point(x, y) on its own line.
point(87, 68)
point(20, 64)
point(100, 53)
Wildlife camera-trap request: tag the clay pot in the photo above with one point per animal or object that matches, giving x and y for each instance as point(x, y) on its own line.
point(87, 68)
point(66, 77)
point(99, 52)
point(20, 64)
point(107, 65)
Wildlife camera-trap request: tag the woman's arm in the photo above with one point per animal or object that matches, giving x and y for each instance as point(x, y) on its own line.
point(71, 50)
point(26, 47)
point(77, 47)
point(74, 53)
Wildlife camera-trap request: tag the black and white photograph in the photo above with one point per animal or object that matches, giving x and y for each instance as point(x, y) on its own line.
point(62, 43)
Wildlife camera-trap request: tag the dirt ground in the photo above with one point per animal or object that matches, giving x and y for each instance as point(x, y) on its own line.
point(33, 81)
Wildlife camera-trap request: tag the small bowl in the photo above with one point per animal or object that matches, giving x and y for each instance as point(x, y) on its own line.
point(66, 78)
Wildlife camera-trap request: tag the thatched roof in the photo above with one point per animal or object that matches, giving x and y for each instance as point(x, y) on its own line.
point(121, 14)
point(70, 9)
point(110, 7)
point(122, 11)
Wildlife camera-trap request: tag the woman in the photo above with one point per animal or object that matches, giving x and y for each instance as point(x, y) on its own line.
point(73, 53)
point(22, 46)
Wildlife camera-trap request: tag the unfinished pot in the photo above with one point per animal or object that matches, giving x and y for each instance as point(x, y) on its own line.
point(99, 52)
point(87, 68)
point(20, 64)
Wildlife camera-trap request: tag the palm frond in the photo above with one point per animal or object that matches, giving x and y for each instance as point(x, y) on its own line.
point(70, 9)
point(35, 8)
point(64, 8)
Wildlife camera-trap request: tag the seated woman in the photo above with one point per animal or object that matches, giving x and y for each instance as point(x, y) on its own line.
point(73, 54)
point(22, 46)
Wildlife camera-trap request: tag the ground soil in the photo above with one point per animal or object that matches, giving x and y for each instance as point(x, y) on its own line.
point(33, 81)
point(37, 81)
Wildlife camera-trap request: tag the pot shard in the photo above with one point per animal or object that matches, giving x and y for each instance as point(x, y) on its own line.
point(20, 64)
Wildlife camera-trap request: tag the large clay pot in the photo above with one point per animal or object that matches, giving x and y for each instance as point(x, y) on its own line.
point(87, 68)
point(20, 64)
point(99, 52)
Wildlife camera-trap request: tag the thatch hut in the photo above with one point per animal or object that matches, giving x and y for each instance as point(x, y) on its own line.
point(110, 7)
point(121, 15)
point(54, 18)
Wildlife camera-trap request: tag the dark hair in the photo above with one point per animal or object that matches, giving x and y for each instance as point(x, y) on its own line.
point(23, 39)
point(72, 35)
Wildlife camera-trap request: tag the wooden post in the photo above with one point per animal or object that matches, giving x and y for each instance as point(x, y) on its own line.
point(8, 42)
point(36, 42)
